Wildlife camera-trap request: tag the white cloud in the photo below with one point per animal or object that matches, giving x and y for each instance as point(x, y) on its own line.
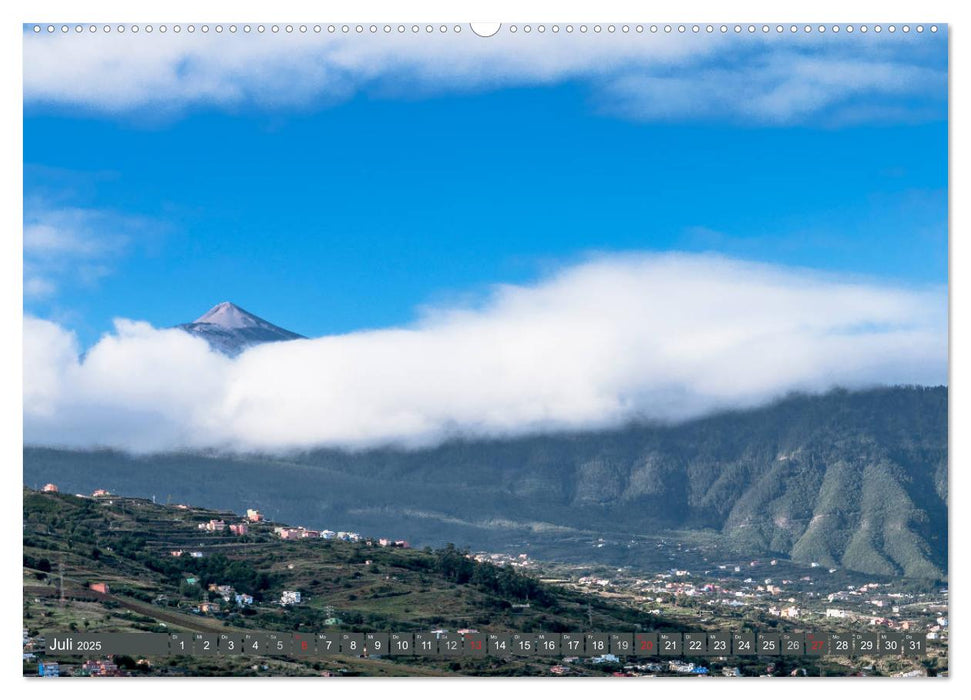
point(618, 338)
point(791, 87)
point(762, 78)
point(74, 245)
point(36, 286)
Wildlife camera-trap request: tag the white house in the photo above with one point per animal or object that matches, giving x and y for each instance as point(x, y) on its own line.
point(290, 598)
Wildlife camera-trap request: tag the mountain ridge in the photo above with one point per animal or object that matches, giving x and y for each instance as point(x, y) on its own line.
point(856, 480)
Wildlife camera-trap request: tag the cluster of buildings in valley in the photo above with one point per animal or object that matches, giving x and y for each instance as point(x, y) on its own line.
point(521, 561)
point(798, 598)
point(575, 666)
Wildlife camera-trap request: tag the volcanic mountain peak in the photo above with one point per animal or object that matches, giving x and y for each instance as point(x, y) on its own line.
point(231, 329)
point(227, 315)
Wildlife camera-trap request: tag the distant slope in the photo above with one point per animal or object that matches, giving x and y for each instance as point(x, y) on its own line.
point(230, 330)
point(849, 479)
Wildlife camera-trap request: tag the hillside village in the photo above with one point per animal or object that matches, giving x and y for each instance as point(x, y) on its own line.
point(771, 594)
point(239, 527)
point(159, 568)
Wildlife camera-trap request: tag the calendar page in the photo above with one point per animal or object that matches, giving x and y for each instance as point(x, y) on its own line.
point(603, 349)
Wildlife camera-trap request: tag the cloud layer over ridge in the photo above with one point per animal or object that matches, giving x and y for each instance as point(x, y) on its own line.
point(617, 338)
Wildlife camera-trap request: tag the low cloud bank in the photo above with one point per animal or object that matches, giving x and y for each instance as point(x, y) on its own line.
point(658, 337)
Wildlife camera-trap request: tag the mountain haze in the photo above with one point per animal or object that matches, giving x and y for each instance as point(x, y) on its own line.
point(856, 480)
point(230, 330)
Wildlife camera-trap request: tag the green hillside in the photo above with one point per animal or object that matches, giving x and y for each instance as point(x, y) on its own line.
point(352, 586)
point(848, 479)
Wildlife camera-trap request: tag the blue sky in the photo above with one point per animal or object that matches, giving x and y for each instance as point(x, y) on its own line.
point(356, 204)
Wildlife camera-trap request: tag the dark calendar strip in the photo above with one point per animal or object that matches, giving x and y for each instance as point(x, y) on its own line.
point(481, 644)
